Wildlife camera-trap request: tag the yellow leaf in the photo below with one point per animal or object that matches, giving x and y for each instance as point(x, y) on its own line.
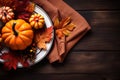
point(63, 27)
point(71, 26)
point(56, 23)
point(66, 32)
point(65, 22)
point(59, 33)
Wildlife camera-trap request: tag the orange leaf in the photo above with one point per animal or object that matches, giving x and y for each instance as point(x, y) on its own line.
point(56, 23)
point(42, 37)
point(63, 27)
point(66, 32)
point(70, 26)
point(30, 7)
point(41, 44)
point(59, 33)
point(65, 22)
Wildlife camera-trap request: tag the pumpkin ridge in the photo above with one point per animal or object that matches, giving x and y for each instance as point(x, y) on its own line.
point(13, 39)
point(5, 35)
point(26, 35)
point(7, 40)
point(25, 27)
point(23, 41)
point(30, 41)
point(6, 30)
point(22, 44)
point(8, 27)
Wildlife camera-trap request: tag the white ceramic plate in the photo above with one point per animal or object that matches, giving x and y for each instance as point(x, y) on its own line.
point(41, 53)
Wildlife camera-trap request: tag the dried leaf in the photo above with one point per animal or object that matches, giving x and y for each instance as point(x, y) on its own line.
point(43, 37)
point(65, 22)
point(41, 44)
point(70, 26)
point(59, 33)
point(23, 62)
point(66, 32)
point(63, 27)
point(12, 60)
point(21, 5)
point(30, 7)
point(23, 15)
point(56, 23)
point(7, 3)
point(15, 4)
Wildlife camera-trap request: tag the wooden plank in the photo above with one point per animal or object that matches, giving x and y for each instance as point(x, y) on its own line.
point(78, 66)
point(94, 4)
point(105, 31)
point(112, 77)
point(33, 76)
point(79, 62)
point(38, 76)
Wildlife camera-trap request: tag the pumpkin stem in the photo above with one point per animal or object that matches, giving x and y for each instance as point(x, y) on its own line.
point(13, 28)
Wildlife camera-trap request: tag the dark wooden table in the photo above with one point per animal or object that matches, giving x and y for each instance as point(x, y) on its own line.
point(95, 57)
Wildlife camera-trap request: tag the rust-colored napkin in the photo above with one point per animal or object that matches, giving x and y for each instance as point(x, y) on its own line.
point(56, 8)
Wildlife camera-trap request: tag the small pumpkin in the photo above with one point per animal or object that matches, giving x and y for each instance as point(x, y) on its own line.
point(36, 21)
point(6, 13)
point(17, 34)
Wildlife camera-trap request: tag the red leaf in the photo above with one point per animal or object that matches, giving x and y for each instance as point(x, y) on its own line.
point(18, 5)
point(43, 37)
point(24, 62)
point(11, 61)
point(23, 15)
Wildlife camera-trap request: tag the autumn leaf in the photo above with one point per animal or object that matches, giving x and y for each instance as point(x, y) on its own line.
point(23, 62)
point(42, 37)
point(26, 13)
point(12, 60)
point(30, 7)
point(59, 33)
point(18, 5)
point(56, 23)
point(64, 22)
point(63, 27)
point(23, 15)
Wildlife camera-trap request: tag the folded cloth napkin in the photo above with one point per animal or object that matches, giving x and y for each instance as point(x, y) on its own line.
point(61, 47)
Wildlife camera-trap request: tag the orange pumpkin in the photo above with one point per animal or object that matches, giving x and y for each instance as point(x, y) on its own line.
point(17, 34)
point(36, 21)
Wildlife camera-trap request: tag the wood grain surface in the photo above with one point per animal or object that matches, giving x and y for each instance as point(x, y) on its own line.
point(95, 57)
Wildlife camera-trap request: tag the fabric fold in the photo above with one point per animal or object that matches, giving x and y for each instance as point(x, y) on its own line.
point(62, 46)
